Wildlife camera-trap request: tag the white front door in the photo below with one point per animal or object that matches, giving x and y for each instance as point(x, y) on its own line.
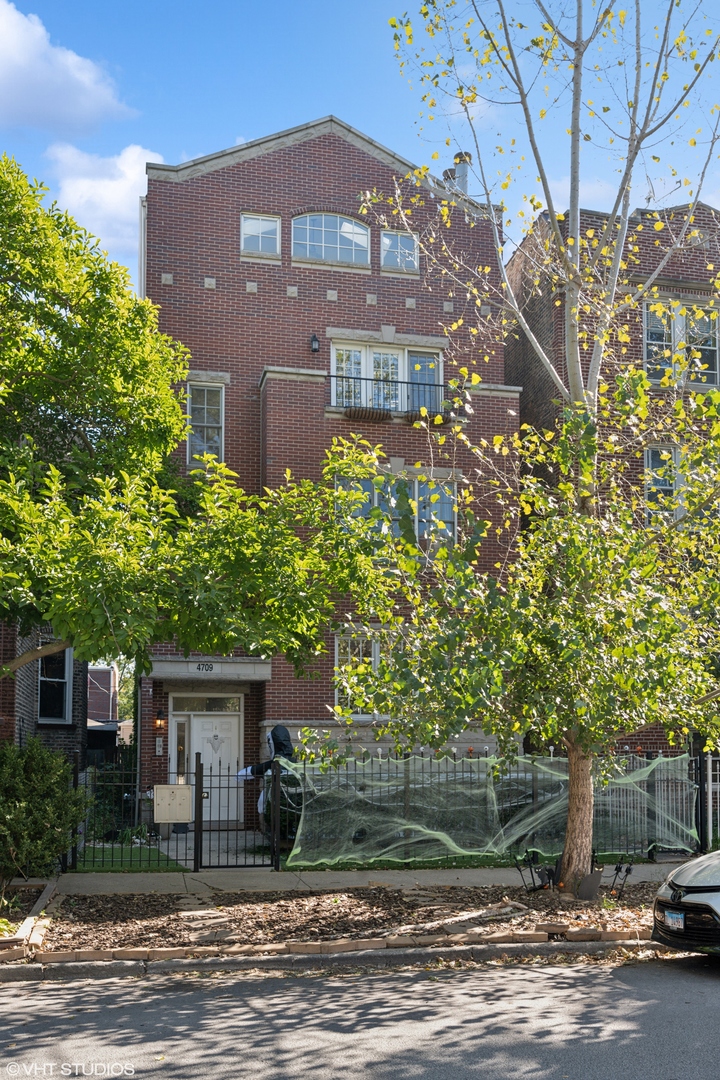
point(217, 737)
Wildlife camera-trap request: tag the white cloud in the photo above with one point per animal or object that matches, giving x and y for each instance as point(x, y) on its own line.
point(102, 193)
point(47, 86)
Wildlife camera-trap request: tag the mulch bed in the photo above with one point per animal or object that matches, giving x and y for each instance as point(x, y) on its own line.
point(106, 922)
point(18, 904)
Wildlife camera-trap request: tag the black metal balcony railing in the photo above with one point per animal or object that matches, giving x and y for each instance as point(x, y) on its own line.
point(382, 398)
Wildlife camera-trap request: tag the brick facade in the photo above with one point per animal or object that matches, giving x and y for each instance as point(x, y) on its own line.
point(19, 699)
point(249, 321)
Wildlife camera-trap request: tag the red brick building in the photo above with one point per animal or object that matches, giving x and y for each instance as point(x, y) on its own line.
point(305, 320)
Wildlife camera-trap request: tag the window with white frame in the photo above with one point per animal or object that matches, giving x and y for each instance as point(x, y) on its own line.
point(330, 238)
point(205, 410)
point(431, 504)
point(676, 332)
point(399, 251)
point(660, 483)
point(387, 377)
point(353, 651)
point(259, 235)
point(55, 688)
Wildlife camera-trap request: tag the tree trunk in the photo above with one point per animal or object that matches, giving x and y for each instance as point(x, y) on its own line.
point(577, 854)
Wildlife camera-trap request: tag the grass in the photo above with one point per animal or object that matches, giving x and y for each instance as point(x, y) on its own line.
point(455, 862)
point(463, 862)
point(126, 859)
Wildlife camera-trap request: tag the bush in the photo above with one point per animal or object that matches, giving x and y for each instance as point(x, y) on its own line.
point(38, 810)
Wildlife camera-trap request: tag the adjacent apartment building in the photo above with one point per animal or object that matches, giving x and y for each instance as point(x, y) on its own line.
point(46, 698)
point(306, 320)
point(685, 284)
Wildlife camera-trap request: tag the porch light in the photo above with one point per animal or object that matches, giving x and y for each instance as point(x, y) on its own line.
point(159, 718)
point(314, 343)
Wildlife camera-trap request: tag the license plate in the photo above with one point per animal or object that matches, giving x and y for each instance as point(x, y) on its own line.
point(675, 920)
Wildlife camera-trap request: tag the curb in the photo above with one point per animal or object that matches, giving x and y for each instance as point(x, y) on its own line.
point(382, 958)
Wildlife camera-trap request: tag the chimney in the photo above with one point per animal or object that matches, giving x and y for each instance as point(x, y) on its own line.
point(463, 160)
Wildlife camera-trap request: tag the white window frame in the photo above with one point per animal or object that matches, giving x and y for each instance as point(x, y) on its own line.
point(69, 670)
point(261, 254)
point(673, 488)
point(374, 660)
point(400, 269)
point(321, 260)
point(369, 392)
point(191, 461)
point(377, 499)
point(678, 324)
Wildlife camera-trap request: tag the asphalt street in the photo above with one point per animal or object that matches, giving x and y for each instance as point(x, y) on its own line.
point(657, 1020)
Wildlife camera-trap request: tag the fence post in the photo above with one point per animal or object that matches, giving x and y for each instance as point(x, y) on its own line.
point(76, 781)
point(406, 800)
point(198, 836)
point(701, 813)
point(535, 803)
point(275, 813)
point(651, 791)
point(709, 800)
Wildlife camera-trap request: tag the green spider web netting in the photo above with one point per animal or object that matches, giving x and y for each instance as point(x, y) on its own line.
point(419, 808)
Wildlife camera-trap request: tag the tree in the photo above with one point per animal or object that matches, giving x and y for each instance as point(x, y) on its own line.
point(86, 379)
point(116, 571)
point(618, 86)
point(579, 639)
point(93, 541)
point(597, 627)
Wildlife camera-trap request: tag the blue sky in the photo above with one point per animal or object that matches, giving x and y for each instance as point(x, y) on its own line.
point(89, 91)
point(178, 80)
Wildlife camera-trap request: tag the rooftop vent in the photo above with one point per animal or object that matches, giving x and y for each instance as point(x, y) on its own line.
point(458, 176)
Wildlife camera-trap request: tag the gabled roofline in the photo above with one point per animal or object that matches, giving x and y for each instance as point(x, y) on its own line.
point(328, 125)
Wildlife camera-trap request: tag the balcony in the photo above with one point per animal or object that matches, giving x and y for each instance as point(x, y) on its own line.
point(381, 399)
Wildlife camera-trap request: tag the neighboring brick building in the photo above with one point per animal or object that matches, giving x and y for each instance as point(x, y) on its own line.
point(46, 698)
point(686, 278)
point(305, 321)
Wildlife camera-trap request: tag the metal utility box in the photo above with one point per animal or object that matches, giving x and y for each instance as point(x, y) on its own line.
point(173, 803)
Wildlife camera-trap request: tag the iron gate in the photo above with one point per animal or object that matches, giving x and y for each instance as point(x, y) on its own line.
point(235, 823)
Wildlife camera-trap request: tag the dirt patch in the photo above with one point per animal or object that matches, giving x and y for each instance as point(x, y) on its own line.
point(105, 922)
point(17, 905)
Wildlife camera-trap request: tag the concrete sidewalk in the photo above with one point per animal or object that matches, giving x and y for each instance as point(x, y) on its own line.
point(264, 880)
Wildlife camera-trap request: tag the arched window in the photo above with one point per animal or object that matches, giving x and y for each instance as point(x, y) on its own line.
point(331, 238)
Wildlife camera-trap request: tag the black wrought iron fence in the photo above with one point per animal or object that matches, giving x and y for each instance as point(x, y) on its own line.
point(404, 809)
point(393, 396)
point(121, 830)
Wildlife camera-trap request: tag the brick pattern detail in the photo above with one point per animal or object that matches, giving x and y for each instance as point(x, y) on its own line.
point(8, 651)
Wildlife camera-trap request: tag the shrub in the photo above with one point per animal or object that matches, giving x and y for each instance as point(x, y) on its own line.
point(38, 810)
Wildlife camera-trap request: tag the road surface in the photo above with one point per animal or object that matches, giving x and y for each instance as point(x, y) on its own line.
point(652, 1021)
